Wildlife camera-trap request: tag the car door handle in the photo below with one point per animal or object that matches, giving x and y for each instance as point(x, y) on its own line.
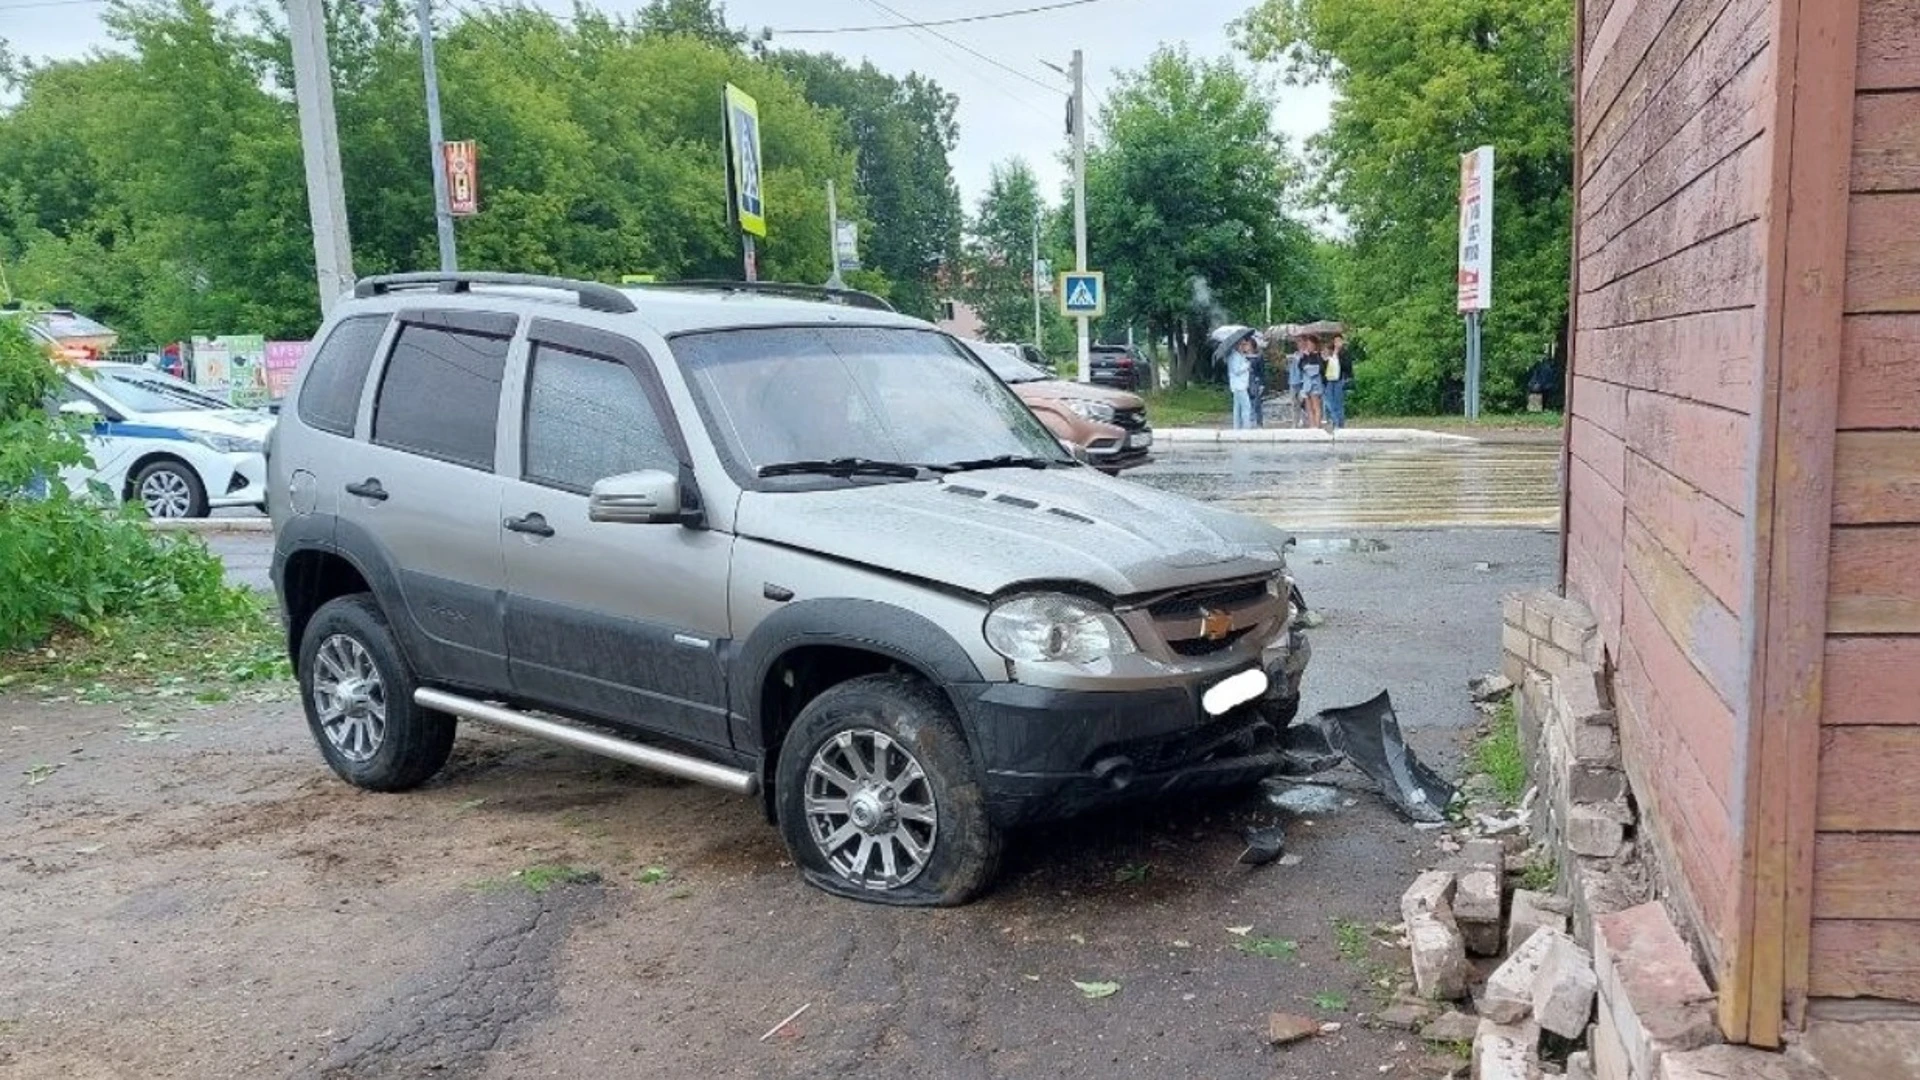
point(531, 524)
point(368, 489)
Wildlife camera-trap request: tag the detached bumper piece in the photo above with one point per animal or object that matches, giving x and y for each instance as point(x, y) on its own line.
point(1369, 736)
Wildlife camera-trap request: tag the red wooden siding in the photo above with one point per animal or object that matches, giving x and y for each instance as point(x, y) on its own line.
point(1866, 931)
point(1676, 97)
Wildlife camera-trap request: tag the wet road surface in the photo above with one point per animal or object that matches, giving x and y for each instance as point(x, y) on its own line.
point(1314, 487)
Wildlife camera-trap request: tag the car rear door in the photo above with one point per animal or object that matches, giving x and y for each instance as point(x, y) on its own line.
point(418, 495)
point(623, 622)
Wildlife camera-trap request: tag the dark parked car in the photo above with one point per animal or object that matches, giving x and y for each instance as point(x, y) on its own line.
point(1120, 367)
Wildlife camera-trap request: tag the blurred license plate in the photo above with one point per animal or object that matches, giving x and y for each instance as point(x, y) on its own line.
point(1140, 438)
point(1234, 691)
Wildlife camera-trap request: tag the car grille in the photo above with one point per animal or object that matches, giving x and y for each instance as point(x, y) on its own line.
point(1181, 618)
point(1131, 419)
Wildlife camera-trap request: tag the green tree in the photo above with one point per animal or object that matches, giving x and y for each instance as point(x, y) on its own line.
point(901, 133)
point(702, 19)
point(1187, 205)
point(1418, 85)
point(998, 277)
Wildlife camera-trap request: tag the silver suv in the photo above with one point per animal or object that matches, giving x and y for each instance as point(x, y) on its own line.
point(799, 547)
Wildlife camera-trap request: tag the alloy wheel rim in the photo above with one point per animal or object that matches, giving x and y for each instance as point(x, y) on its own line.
point(870, 809)
point(350, 697)
point(165, 494)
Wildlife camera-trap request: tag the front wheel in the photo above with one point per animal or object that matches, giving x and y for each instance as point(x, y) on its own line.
point(879, 800)
point(358, 692)
point(168, 489)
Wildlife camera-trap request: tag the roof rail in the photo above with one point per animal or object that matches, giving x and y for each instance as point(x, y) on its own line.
point(849, 297)
point(592, 295)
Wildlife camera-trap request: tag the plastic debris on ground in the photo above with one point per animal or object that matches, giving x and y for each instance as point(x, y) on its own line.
point(1305, 800)
point(1369, 736)
point(1264, 845)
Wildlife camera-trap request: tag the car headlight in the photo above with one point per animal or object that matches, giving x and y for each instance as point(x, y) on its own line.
point(225, 444)
point(1097, 411)
point(1058, 627)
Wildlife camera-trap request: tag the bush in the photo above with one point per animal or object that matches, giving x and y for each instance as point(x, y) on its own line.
point(68, 560)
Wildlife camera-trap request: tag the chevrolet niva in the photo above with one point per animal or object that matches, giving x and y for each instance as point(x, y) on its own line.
point(783, 541)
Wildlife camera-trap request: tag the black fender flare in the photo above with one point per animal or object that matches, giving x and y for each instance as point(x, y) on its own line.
point(356, 547)
point(869, 625)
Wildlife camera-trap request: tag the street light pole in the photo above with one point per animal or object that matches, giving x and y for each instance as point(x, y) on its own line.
point(320, 148)
point(1080, 199)
point(436, 148)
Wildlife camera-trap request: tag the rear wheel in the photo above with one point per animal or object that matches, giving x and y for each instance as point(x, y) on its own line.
point(169, 489)
point(358, 692)
point(879, 800)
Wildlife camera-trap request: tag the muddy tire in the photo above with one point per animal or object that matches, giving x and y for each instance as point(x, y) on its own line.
point(878, 798)
point(357, 689)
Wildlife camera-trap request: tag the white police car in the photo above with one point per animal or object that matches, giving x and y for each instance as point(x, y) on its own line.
point(166, 443)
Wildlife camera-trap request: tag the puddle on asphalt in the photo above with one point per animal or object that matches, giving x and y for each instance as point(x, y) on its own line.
point(1322, 545)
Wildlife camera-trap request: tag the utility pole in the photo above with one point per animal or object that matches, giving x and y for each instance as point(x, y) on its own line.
point(1036, 277)
point(1080, 198)
point(320, 147)
point(436, 149)
point(834, 280)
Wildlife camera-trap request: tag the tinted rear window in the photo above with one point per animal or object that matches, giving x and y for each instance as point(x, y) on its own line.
point(441, 394)
point(330, 397)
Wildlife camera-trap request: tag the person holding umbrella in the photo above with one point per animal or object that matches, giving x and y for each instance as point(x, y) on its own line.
point(1236, 347)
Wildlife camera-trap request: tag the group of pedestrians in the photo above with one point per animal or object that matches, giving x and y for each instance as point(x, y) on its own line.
point(1319, 373)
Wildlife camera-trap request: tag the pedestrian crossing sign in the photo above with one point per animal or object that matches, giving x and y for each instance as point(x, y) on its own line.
point(1083, 293)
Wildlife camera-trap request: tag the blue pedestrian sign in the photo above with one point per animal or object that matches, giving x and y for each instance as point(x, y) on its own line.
point(1083, 293)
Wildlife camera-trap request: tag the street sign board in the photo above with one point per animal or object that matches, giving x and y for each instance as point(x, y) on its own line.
point(462, 162)
point(1476, 229)
point(1043, 277)
point(743, 162)
point(1083, 293)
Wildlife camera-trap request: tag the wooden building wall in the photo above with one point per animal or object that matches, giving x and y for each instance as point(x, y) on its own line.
point(1866, 880)
point(1676, 98)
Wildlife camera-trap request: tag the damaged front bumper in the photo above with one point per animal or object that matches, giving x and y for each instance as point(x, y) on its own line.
point(1050, 753)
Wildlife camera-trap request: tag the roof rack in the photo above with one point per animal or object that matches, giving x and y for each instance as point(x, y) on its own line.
point(849, 297)
point(592, 295)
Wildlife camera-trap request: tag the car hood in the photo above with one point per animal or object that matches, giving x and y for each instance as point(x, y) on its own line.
point(1056, 389)
point(990, 531)
point(242, 422)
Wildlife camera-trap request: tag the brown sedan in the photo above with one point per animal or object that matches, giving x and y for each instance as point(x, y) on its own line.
point(1108, 427)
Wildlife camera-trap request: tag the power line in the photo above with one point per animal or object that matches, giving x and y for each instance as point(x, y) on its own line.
point(971, 51)
point(937, 22)
point(48, 4)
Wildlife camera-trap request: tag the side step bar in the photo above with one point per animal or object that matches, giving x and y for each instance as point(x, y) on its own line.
point(647, 757)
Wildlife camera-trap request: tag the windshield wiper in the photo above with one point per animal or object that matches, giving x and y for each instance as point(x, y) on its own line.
point(843, 467)
point(1000, 461)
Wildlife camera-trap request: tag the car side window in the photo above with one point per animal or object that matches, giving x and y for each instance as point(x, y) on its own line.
point(330, 397)
point(440, 396)
point(589, 418)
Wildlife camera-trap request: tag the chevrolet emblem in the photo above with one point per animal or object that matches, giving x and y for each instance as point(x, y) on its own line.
point(1215, 625)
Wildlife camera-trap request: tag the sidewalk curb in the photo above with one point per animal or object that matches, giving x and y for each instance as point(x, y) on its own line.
point(1306, 435)
point(206, 526)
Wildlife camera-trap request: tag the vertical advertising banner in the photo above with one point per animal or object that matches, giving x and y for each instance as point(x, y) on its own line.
point(462, 162)
point(212, 365)
point(1476, 230)
point(246, 370)
point(743, 162)
point(846, 245)
point(283, 359)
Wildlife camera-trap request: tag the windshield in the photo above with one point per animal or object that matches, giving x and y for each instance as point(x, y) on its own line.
point(779, 395)
point(1005, 364)
point(141, 391)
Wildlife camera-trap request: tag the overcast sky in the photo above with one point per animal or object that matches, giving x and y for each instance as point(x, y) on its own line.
point(1002, 114)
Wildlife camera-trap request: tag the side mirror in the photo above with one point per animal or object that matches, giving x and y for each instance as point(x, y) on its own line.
point(649, 497)
point(81, 408)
